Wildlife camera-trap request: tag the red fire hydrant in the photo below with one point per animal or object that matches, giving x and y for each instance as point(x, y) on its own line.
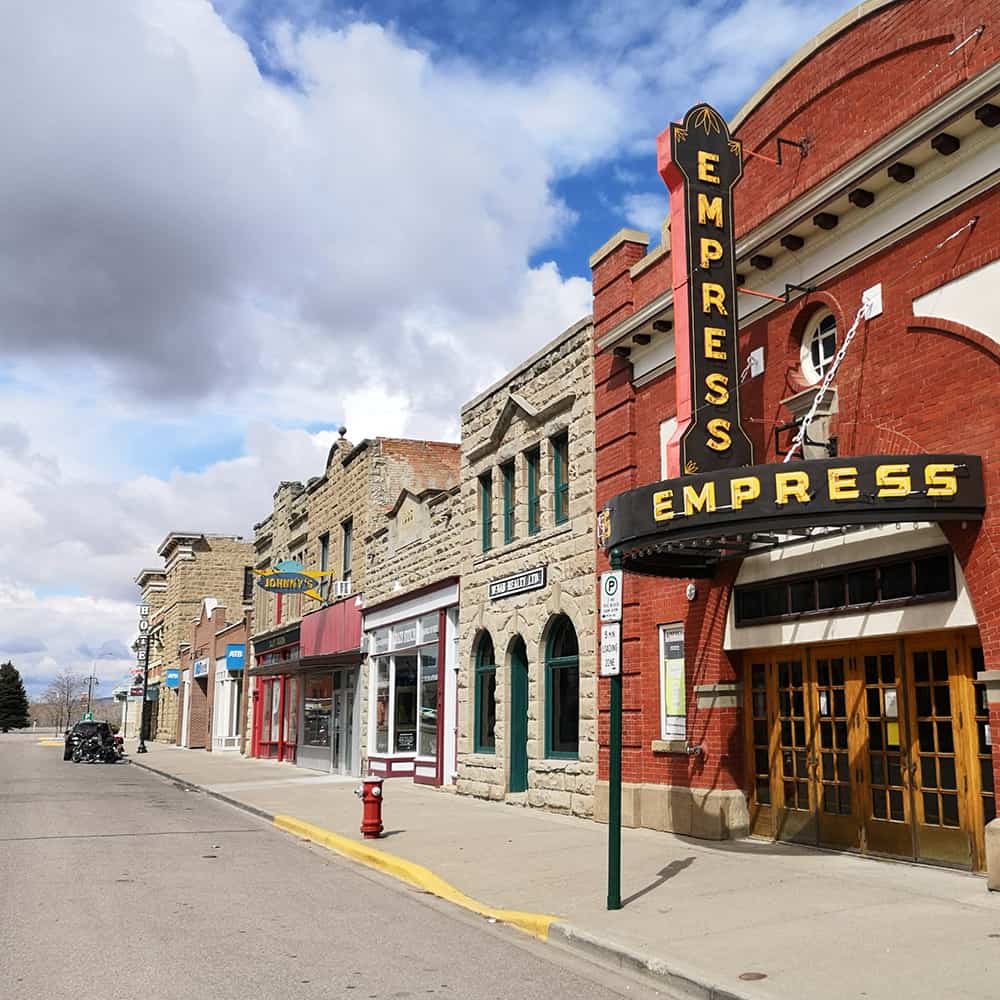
point(370, 793)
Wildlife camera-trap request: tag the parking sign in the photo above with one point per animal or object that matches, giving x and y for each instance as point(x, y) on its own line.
point(611, 596)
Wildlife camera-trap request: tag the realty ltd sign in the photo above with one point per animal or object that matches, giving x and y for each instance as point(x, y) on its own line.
point(532, 579)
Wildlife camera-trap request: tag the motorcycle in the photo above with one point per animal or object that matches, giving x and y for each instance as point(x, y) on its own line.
point(93, 751)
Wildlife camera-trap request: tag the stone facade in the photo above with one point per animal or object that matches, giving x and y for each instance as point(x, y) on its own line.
point(416, 547)
point(360, 484)
point(366, 486)
point(550, 394)
point(211, 619)
point(195, 566)
point(417, 544)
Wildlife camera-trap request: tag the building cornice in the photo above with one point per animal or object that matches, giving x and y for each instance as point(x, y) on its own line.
point(959, 101)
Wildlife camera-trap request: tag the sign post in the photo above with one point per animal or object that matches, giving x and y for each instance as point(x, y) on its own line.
point(611, 652)
point(144, 657)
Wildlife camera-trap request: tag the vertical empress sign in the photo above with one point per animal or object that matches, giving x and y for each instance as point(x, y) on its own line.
point(700, 164)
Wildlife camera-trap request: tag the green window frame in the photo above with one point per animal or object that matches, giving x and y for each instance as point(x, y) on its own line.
point(485, 705)
point(533, 461)
point(486, 510)
point(562, 691)
point(507, 474)
point(560, 476)
point(346, 539)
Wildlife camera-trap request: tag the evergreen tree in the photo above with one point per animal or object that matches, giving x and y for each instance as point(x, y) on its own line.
point(13, 700)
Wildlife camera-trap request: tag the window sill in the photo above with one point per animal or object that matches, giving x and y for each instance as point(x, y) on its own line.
point(551, 755)
point(521, 543)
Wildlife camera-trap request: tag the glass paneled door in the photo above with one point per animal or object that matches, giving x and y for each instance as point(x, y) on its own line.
point(866, 746)
point(342, 743)
point(941, 699)
point(813, 745)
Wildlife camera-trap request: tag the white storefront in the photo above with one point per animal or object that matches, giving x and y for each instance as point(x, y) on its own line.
point(412, 680)
point(228, 682)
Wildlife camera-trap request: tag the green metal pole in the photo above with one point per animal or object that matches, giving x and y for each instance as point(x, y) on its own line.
point(615, 785)
point(615, 798)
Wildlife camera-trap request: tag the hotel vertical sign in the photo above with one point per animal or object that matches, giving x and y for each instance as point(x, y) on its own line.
point(700, 164)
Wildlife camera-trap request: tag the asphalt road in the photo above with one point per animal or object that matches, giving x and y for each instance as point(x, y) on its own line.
point(118, 885)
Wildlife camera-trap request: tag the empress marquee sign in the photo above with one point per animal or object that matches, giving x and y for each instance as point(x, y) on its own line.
point(716, 498)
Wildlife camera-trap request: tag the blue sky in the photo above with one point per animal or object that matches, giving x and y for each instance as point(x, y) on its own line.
point(232, 227)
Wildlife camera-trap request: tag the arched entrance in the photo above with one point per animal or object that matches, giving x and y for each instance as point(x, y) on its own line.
point(517, 780)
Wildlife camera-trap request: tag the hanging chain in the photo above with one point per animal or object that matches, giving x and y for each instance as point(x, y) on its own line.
point(832, 371)
point(827, 381)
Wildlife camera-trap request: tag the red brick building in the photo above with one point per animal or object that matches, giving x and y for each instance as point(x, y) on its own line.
point(211, 680)
point(825, 679)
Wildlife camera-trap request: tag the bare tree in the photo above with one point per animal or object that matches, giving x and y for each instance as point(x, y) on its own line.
point(63, 696)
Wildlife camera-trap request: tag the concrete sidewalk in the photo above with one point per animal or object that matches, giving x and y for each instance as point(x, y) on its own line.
point(700, 914)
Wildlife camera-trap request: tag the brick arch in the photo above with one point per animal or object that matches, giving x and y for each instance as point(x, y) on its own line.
point(976, 544)
point(959, 331)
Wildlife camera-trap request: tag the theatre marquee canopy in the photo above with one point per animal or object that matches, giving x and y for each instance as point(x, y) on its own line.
point(685, 526)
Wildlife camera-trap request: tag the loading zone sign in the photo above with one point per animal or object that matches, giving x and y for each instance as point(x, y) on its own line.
point(611, 649)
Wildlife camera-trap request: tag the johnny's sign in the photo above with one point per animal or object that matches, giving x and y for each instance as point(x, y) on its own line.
point(290, 577)
point(869, 489)
point(700, 164)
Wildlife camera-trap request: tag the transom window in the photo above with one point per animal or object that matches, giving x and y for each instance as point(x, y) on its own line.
point(819, 346)
point(922, 576)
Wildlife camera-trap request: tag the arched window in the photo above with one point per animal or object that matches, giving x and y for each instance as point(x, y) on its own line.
point(485, 704)
point(819, 346)
point(562, 690)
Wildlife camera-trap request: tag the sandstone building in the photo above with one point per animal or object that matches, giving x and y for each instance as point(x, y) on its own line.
point(526, 689)
point(195, 566)
point(307, 679)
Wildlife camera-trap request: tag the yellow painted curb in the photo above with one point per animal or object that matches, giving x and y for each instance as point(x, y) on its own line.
point(51, 743)
point(536, 924)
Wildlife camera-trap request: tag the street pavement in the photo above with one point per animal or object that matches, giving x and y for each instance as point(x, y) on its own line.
point(116, 884)
point(815, 924)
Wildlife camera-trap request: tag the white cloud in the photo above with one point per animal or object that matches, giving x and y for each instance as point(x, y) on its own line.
point(647, 211)
point(194, 250)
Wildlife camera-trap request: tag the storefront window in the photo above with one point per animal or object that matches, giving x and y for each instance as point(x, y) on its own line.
point(382, 706)
point(428, 702)
point(404, 634)
point(405, 697)
point(317, 706)
point(269, 711)
point(405, 690)
point(429, 628)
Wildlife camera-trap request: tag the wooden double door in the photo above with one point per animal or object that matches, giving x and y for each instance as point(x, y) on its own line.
point(879, 747)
